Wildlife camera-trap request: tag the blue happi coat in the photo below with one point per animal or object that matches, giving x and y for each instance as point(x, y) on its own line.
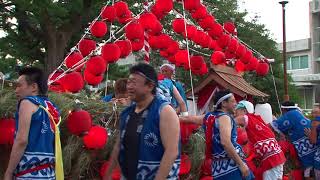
point(293, 124)
point(151, 149)
point(317, 154)
point(40, 148)
point(224, 167)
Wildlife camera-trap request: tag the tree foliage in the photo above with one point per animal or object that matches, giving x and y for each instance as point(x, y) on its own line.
point(42, 33)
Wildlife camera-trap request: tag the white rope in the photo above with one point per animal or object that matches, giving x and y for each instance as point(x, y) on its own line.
point(275, 88)
point(191, 79)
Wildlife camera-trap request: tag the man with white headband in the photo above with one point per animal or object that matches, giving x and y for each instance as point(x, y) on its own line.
point(228, 157)
point(265, 145)
point(167, 70)
point(292, 123)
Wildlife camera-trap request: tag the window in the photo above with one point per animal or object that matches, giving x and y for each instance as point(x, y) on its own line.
point(297, 62)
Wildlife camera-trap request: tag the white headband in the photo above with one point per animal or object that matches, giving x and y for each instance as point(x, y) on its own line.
point(222, 99)
point(168, 65)
point(289, 107)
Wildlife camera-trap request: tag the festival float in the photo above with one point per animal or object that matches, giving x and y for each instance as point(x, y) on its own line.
point(89, 126)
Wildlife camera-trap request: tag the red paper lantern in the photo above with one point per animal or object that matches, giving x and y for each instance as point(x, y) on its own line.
point(110, 52)
point(233, 45)
point(125, 47)
point(200, 13)
point(96, 138)
point(262, 69)
point(96, 65)
point(157, 12)
point(196, 62)
point(186, 130)
point(108, 13)
point(121, 8)
point(207, 178)
point(72, 82)
point(192, 32)
point(79, 122)
point(116, 172)
point(92, 79)
point(56, 86)
point(241, 50)
point(205, 40)
point(216, 31)
point(242, 136)
point(99, 29)
point(125, 18)
point(214, 45)
point(204, 69)
point(239, 66)
point(148, 21)
point(206, 167)
point(164, 6)
point(173, 48)
point(207, 23)
point(229, 27)
point(191, 5)
point(229, 55)
point(218, 57)
point(157, 29)
point(252, 65)
point(185, 165)
point(246, 57)
point(137, 45)
point(134, 30)
point(164, 53)
point(297, 174)
point(163, 41)
point(178, 25)
point(224, 40)
point(86, 46)
point(7, 129)
point(73, 59)
point(181, 58)
point(172, 59)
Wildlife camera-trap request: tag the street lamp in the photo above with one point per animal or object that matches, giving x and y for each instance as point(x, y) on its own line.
point(284, 51)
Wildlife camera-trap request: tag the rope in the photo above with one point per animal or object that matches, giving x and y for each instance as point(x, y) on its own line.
point(275, 88)
point(187, 43)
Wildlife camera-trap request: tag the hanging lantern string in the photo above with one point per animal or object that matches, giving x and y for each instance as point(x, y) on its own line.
point(191, 79)
point(252, 49)
point(275, 88)
point(75, 47)
point(83, 61)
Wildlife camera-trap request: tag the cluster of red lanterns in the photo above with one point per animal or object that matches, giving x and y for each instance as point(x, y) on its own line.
point(7, 129)
point(79, 123)
point(116, 172)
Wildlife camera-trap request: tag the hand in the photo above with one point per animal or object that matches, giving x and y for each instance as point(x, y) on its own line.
point(8, 176)
point(307, 132)
point(244, 170)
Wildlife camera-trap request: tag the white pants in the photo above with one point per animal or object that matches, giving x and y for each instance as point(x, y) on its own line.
point(275, 173)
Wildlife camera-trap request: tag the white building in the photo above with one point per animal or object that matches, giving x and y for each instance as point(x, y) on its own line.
point(304, 60)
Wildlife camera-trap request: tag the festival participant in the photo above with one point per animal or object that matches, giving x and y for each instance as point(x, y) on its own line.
point(262, 138)
point(166, 90)
point(33, 154)
point(292, 123)
point(148, 146)
point(228, 157)
point(121, 92)
point(314, 136)
point(167, 70)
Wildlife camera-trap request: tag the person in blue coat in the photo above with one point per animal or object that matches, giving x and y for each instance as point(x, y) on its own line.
point(148, 146)
point(293, 123)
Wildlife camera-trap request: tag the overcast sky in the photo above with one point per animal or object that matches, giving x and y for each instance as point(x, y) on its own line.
point(270, 12)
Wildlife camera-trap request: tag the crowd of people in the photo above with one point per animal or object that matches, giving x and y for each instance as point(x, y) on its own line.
point(148, 145)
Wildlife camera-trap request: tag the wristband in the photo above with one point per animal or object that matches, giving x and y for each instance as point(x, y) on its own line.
point(184, 114)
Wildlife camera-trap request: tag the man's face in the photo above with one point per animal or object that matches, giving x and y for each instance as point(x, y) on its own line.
point(230, 104)
point(24, 89)
point(167, 72)
point(241, 112)
point(138, 88)
point(315, 111)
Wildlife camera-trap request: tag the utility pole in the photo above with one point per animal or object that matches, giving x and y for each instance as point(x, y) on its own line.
point(284, 51)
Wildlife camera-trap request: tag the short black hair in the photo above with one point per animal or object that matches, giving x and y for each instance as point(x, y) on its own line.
point(288, 103)
point(148, 71)
point(218, 95)
point(36, 75)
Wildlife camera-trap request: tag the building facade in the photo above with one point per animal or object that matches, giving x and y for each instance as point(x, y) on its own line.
point(303, 61)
